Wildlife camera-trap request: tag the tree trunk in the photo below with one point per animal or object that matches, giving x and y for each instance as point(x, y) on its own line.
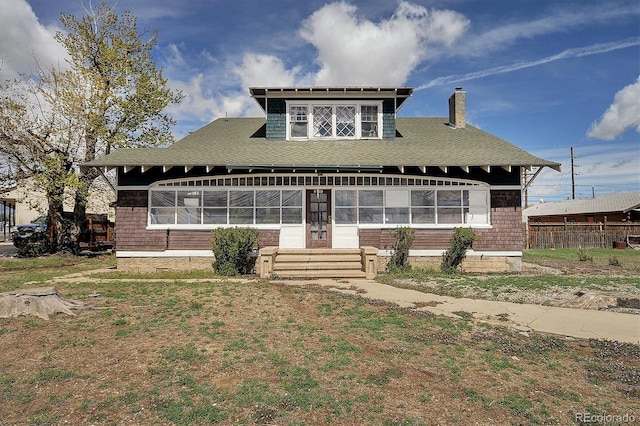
point(80, 204)
point(55, 221)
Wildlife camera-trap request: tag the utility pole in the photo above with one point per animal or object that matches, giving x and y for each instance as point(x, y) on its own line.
point(526, 190)
point(573, 177)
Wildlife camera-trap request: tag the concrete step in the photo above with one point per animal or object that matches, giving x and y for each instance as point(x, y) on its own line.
point(282, 266)
point(319, 274)
point(318, 263)
point(305, 257)
point(318, 251)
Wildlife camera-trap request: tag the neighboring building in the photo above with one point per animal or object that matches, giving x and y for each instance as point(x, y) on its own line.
point(623, 207)
point(330, 167)
point(23, 204)
point(602, 222)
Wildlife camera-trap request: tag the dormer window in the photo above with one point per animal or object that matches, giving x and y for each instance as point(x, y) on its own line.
point(299, 120)
point(332, 120)
point(369, 119)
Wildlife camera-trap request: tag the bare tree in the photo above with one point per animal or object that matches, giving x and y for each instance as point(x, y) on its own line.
point(110, 95)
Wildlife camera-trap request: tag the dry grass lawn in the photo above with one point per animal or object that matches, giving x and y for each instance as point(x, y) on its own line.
point(224, 352)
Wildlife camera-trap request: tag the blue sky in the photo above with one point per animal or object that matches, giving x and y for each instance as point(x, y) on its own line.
point(544, 75)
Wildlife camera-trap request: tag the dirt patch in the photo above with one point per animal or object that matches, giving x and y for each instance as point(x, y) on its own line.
point(584, 285)
point(570, 267)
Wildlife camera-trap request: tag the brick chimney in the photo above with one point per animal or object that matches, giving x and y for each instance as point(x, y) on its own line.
point(458, 109)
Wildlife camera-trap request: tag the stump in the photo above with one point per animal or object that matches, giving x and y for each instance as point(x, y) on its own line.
point(40, 302)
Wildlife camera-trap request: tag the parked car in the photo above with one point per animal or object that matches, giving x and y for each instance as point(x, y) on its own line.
point(35, 230)
point(97, 233)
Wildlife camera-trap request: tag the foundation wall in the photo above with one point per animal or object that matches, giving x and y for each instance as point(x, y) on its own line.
point(474, 264)
point(155, 264)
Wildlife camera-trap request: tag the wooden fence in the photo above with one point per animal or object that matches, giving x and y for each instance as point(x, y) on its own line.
point(579, 235)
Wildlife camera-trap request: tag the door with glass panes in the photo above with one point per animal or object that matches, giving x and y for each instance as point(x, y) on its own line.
point(318, 218)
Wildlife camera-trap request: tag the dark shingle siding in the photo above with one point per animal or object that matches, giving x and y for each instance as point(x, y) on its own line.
point(276, 119)
point(388, 119)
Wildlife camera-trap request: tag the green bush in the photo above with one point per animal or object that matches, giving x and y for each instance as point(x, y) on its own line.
point(614, 261)
point(400, 256)
point(234, 249)
point(461, 240)
point(583, 256)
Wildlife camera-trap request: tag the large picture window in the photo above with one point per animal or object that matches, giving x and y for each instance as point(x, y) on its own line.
point(323, 120)
point(225, 207)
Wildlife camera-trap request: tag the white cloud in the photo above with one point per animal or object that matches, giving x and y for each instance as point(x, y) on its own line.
point(175, 56)
point(355, 51)
point(24, 41)
point(199, 102)
point(350, 51)
point(624, 113)
point(265, 70)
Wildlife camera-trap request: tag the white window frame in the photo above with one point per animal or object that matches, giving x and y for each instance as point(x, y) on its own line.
point(400, 198)
point(333, 104)
point(476, 214)
point(231, 220)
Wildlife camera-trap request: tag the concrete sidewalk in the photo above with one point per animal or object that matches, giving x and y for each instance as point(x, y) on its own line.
point(579, 323)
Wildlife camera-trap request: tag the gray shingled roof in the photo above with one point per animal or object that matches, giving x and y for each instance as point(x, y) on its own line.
point(421, 142)
point(623, 202)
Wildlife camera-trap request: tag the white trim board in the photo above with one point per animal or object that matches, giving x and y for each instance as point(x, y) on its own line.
point(382, 253)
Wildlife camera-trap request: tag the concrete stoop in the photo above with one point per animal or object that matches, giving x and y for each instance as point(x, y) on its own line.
point(317, 263)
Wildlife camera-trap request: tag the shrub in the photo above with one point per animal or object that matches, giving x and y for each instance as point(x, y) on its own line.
point(400, 256)
point(461, 240)
point(583, 256)
point(233, 249)
point(614, 261)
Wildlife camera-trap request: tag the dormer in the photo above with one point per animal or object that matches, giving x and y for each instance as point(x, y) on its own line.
point(330, 113)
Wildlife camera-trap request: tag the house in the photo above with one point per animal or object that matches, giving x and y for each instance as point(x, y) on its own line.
point(332, 170)
point(20, 205)
point(622, 207)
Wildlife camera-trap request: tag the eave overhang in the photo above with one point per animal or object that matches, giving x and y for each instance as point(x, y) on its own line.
point(316, 168)
point(400, 94)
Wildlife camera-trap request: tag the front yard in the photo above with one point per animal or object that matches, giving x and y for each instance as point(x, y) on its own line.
point(189, 350)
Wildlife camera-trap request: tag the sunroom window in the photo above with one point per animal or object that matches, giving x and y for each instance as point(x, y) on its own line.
point(417, 207)
point(324, 120)
point(225, 207)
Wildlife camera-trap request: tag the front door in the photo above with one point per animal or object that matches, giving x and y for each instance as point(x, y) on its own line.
point(318, 218)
